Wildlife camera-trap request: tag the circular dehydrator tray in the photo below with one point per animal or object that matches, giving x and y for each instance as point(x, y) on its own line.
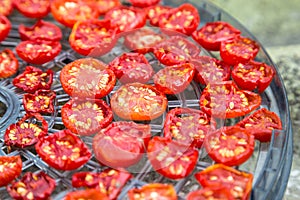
point(270, 163)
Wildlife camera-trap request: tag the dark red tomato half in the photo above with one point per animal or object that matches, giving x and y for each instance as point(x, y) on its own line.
point(92, 37)
point(37, 186)
point(10, 168)
point(6, 7)
point(86, 194)
point(63, 150)
point(5, 27)
point(183, 19)
point(184, 44)
point(261, 124)
point(210, 193)
point(132, 67)
point(87, 78)
point(188, 126)
point(33, 8)
point(170, 158)
point(253, 75)
point(212, 34)
point(238, 50)
point(239, 183)
point(225, 100)
point(9, 64)
point(174, 79)
point(42, 101)
point(154, 13)
point(38, 51)
point(86, 117)
point(104, 6)
point(144, 3)
point(121, 144)
point(210, 70)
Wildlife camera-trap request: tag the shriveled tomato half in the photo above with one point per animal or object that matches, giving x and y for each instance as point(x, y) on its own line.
point(230, 145)
point(137, 101)
point(153, 191)
point(103, 6)
point(212, 34)
point(239, 183)
point(174, 79)
point(143, 3)
point(210, 70)
point(32, 186)
point(132, 67)
point(110, 181)
point(125, 18)
point(38, 51)
point(188, 126)
point(5, 27)
point(41, 30)
point(63, 150)
point(68, 12)
point(26, 132)
point(121, 144)
point(210, 193)
point(9, 64)
point(33, 8)
point(261, 124)
point(154, 13)
point(184, 44)
point(253, 75)
point(86, 117)
point(92, 37)
point(10, 168)
point(92, 194)
point(171, 158)
point(183, 19)
point(238, 50)
point(33, 79)
point(42, 101)
point(6, 7)
point(225, 100)
point(87, 78)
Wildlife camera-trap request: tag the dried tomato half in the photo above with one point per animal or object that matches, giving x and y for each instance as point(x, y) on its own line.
point(104, 6)
point(10, 168)
point(210, 193)
point(6, 7)
point(225, 100)
point(33, 8)
point(26, 132)
point(170, 158)
point(42, 101)
point(154, 13)
point(37, 186)
point(63, 150)
point(143, 3)
point(33, 79)
point(93, 194)
point(5, 27)
point(86, 117)
point(9, 64)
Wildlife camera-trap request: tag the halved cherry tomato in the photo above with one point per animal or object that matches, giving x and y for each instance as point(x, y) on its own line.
point(144, 3)
point(174, 79)
point(137, 101)
point(212, 34)
point(86, 194)
point(68, 12)
point(239, 183)
point(41, 30)
point(63, 150)
point(38, 51)
point(209, 70)
point(238, 50)
point(9, 64)
point(86, 117)
point(10, 168)
point(6, 7)
point(110, 181)
point(184, 44)
point(104, 6)
point(132, 67)
point(26, 132)
point(87, 78)
point(253, 75)
point(230, 145)
point(154, 13)
point(121, 144)
point(210, 193)
point(42, 101)
point(33, 79)
point(261, 124)
point(171, 158)
point(33, 8)
point(183, 19)
point(153, 191)
point(5, 27)
point(188, 126)
point(225, 100)
point(92, 37)
point(37, 186)
point(126, 18)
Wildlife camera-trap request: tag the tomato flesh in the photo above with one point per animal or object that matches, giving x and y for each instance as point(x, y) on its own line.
point(154, 13)
point(10, 168)
point(5, 27)
point(210, 193)
point(33, 8)
point(6, 7)
point(9, 64)
point(42, 101)
point(92, 194)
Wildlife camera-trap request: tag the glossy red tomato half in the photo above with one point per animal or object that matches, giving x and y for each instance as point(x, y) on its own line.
point(42, 101)
point(6, 7)
point(33, 8)
point(143, 3)
point(5, 27)
point(210, 193)
point(121, 144)
point(86, 194)
point(9, 64)
point(154, 13)
point(10, 168)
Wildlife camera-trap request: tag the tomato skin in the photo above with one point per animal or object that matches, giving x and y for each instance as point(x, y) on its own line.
point(9, 64)
point(32, 8)
point(137, 101)
point(11, 168)
point(154, 13)
point(159, 190)
point(86, 117)
point(6, 7)
point(143, 3)
point(92, 194)
point(210, 193)
point(5, 27)
point(42, 101)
